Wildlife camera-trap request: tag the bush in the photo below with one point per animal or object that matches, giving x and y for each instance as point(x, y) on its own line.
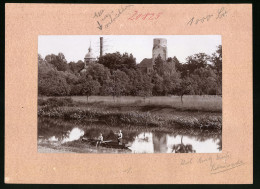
point(204, 122)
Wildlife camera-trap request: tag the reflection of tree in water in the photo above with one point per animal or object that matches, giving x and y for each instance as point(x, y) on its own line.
point(145, 138)
point(110, 136)
point(198, 134)
point(92, 133)
point(129, 136)
point(219, 143)
point(182, 148)
point(52, 127)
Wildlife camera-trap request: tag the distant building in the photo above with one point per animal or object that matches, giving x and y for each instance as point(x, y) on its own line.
point(89, 58)
point(159, 48)
point(146, 65)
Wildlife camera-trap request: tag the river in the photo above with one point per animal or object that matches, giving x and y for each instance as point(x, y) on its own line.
point(57, 133)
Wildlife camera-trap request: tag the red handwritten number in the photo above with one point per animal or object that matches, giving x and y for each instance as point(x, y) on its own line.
point(147, 16)
point(158, 15)
point(152, 15)
point(131, 18)
point(138, 16)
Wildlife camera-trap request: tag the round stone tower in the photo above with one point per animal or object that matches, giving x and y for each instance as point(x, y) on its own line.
point(160, 48)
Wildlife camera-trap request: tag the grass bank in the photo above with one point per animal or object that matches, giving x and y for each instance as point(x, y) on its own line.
point(68, 109)
point(204, 103)
point(75, 147)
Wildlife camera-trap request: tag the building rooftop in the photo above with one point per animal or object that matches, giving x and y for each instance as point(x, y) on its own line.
point(147, 62)
point(90, 54)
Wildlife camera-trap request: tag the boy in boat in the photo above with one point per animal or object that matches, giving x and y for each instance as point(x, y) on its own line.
point(100, 140)
point(120, 137)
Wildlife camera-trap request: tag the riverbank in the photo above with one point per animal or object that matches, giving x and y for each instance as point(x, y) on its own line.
point(148, 115)
point(75, 147)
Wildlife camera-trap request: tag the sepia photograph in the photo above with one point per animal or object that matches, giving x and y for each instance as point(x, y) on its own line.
point(129, 94)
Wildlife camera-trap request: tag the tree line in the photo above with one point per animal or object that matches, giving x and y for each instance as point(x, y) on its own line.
point(116, 74)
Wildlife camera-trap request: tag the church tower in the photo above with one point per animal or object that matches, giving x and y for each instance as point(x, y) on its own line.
point(159, 48)
point(89, 56)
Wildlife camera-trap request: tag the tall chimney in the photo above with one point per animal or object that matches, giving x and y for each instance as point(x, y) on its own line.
point(101, 46)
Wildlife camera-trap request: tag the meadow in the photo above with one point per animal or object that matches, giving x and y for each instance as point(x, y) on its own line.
point(206, 103)
point(203, 112)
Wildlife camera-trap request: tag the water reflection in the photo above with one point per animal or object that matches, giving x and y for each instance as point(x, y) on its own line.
point(72, 135)
point(53, 139)
point(138, 141)
point(167, 143)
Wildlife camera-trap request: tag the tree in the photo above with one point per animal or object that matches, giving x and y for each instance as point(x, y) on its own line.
point(216, 59)
point(146, 87)
point(76, 89)
point(157, 82)
point(40, 59)
point(169, 68)
point(158, 65)
point(119, 83)
point(194, 62)
point(176, 81)
point(58, 61)
point(107, 88)
point(128, 62)
point(90, 87)
point(184, 88)
point(71, 78)
point(117, 61)
point(62, 57)
point(205, 81)
point(136, 79)
point(53, 83)
point(76, 67)
point(98, 72)
point(176, 63)
point(167, 84)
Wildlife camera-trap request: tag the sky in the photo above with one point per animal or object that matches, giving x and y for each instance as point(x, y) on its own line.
point(75, 47)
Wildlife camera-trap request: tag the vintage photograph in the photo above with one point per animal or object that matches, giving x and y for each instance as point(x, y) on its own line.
point(129, 94)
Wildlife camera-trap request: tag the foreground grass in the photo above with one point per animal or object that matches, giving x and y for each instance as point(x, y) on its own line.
point(67, 109)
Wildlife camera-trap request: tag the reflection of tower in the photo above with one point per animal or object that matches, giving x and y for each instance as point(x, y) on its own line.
point(159, 143)
point(159, 48)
